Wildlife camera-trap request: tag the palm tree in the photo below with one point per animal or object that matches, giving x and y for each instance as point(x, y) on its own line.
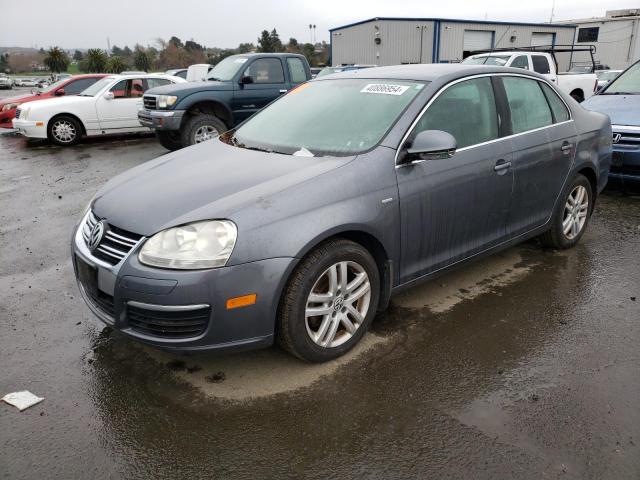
point(96, 60)
point(57, 60)
point(142, 60)
point(116, 65)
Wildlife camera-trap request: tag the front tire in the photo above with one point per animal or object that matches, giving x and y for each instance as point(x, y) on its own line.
point(64, 131)
point(571, 216)
point(329, 302)
point(169, 140)
point(200, 128)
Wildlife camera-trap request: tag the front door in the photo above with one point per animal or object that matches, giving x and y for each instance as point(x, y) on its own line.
point(266, 83)
point(544, 141)
point(456, 207)
point(120, 112)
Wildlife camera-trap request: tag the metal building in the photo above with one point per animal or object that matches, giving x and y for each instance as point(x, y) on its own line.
point(391, 41)
point(615, 36)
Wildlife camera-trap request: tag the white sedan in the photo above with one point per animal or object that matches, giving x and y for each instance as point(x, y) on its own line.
point(108, 106)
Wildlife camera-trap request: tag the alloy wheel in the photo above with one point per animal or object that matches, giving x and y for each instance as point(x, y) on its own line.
point(63, 131)
point(575, 212)
point(204, 133)
point(337, 304)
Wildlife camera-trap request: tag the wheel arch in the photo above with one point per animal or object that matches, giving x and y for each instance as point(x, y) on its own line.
point(590, 174)
point(212, 107)
point(65, 114)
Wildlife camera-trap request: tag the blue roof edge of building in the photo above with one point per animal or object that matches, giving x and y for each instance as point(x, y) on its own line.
point(455, 20)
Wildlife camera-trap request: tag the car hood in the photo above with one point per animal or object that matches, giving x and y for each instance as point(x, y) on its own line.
point(211, 180)
point(622, 109)
point(19, 99)
point(187, 88)
point(66, 101)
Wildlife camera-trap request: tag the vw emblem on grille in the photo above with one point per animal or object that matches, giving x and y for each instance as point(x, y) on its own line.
point(616, 137)
point(95, 237)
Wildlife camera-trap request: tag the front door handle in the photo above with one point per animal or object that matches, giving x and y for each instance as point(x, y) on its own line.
point(283, 91)
point(502, 166)
point(566, 148)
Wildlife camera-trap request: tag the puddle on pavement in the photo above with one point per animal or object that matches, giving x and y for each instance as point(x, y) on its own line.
point(263, 373)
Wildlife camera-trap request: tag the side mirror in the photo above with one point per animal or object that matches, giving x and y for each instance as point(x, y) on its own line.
point(430, 145)
point(108, 96)
point(60, 92)
point(246, 79)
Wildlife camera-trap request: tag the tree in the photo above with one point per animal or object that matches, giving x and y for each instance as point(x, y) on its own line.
point(246, 47)
point(96, 61)
point(78, 56)
point(142, 59)
point(176, 41)
point(117, 51)
point(4, 63)
point(126, 52)
point(56, 60)
point(308, 51)
point(191, 46)
point(275, 41)
point(115, 64)
point(270, 42)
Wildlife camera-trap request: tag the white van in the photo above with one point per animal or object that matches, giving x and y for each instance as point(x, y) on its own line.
point(198, 72)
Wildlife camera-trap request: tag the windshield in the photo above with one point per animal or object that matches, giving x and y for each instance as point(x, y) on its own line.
point(497, 60)
point(627, 83)
point(329, 71)
point(227, 68)
point(94, 89)
point(331, 117)
point(51, 87)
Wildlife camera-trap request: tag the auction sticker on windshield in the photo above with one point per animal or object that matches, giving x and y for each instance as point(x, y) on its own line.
point(384, 89)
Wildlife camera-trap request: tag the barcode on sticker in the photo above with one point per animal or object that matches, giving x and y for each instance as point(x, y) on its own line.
point(385, 89)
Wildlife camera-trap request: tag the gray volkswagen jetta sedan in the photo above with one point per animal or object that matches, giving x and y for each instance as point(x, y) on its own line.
point(298, 225)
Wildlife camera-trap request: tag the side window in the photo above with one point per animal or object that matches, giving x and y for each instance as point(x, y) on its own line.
point(265, 70)
point(77, 86)
point(137, 87)
point(559, 109)
point(296, 70)
point(540, 64)
point(119, 90)
point(521, 61)
point(528, 105)
point(156, 82)
point(466, 110)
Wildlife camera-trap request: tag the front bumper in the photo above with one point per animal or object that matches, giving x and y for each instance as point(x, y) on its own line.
point(161, 119)
point(625, 167)
point(129, 288)
point(7, 117)
point(30, 128)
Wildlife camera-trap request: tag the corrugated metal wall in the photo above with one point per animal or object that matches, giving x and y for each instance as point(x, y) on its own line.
point(400, 42)
point(617, 44)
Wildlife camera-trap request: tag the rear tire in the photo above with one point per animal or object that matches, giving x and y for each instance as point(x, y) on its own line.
point(64, 131)
point(329, 301)
point(571, 216)
point(169, 140)
point(200, 128)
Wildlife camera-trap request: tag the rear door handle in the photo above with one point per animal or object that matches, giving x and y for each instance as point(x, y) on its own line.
point(566, 148)
point(502, 166)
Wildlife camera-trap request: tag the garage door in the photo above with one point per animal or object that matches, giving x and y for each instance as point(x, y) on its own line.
point(477, 40)
point(538, 39)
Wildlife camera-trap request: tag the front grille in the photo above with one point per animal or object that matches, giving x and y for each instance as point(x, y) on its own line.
point(168, 324)
point(627, 139)
point(101, 300)
point(149, 102)
point(17, 113)
point(115, 244)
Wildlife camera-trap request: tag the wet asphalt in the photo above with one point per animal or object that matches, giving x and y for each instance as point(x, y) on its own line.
point(523, 365)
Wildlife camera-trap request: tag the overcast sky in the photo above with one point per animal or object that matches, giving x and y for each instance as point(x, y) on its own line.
point(222, 23)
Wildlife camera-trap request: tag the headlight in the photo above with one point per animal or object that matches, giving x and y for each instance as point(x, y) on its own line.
point(9, 106)
point(24, 112)
point(205, 244)
point(165, 101)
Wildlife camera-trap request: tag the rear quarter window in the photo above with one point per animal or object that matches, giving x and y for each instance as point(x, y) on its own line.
point(559, 109)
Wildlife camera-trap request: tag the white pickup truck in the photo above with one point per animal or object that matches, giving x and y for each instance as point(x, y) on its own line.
point(579, 86)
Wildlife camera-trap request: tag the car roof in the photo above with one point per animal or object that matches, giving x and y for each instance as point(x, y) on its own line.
point(426, 72)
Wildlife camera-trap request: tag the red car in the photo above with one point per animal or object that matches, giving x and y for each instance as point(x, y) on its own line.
point(67, 86)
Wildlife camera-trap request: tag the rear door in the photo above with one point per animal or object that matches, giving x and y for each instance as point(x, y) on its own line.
point(456, 207)
point(543, 137)
point(268, 82)
point(297, 71)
